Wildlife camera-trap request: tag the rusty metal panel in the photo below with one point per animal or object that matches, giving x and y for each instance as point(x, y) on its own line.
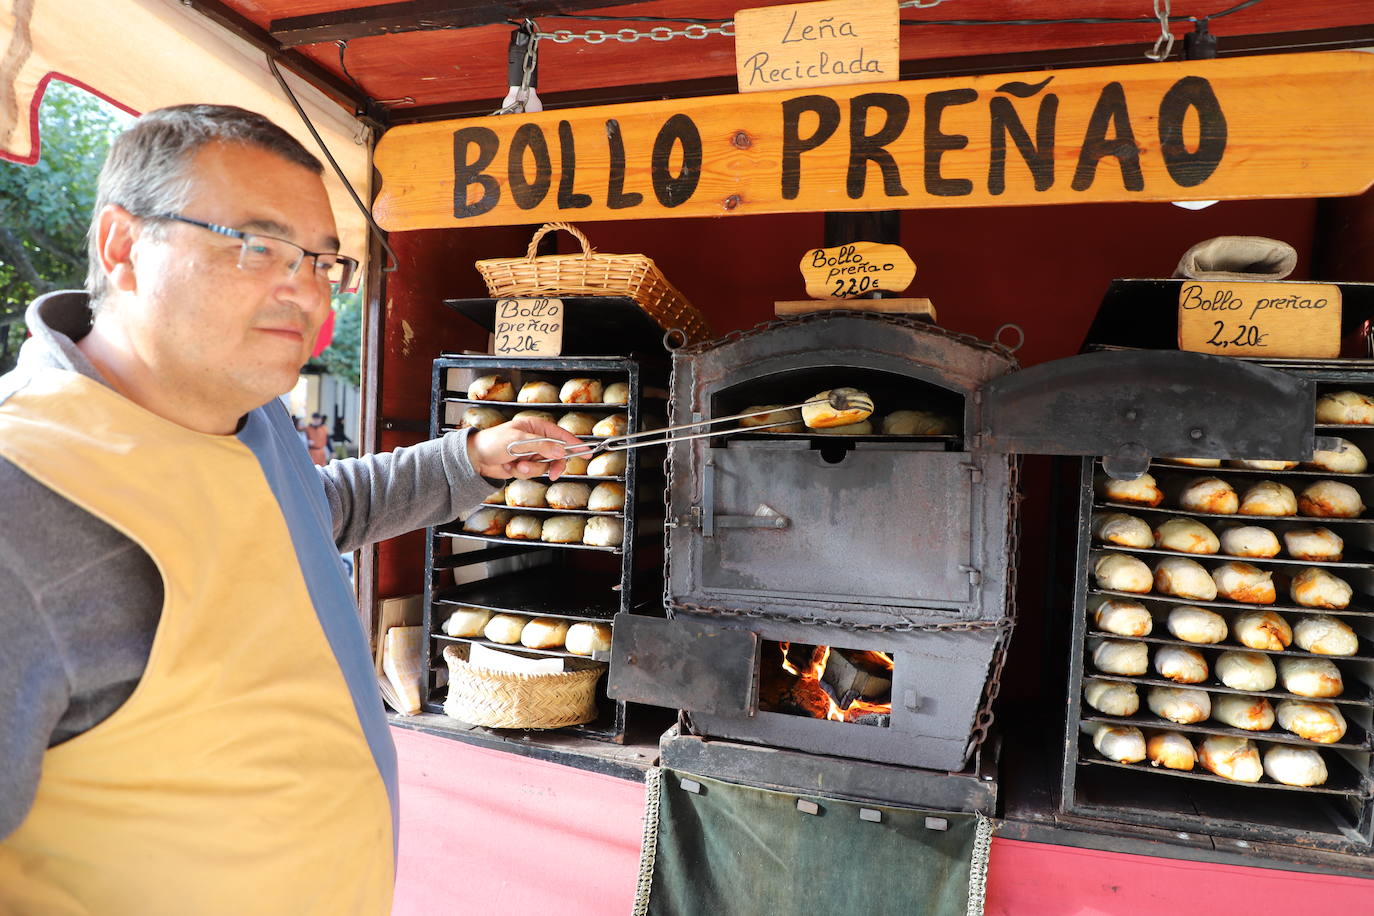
point(1129, 406)
point(883, 526)
point(683, 664)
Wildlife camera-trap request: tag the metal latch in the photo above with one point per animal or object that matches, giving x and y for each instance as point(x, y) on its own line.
point(691, 520)
point(975, 575)
point(764, 517)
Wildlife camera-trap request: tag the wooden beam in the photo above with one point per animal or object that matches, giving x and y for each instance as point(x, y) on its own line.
point(419, 16)
point(331, 84)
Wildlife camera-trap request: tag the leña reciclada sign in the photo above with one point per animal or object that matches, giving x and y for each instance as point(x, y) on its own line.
point(1296, 125)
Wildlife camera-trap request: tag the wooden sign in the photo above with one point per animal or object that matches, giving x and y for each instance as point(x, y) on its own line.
point(1275, 319)
point(1291, 124)
point(855, 270)
point(830, 43)
point(528, 327)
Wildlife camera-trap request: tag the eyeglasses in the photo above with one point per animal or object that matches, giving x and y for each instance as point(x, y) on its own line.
point(263, 253)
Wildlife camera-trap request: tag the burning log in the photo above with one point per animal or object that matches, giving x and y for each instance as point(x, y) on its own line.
point(852, 675)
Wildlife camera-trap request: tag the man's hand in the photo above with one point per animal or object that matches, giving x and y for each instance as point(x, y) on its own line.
point(488, 454)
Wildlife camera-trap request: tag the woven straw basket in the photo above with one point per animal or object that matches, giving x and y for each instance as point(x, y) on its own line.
point(593, 274)
point(501, 699)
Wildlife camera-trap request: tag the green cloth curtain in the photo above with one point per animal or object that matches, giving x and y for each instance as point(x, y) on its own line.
point(731, 849)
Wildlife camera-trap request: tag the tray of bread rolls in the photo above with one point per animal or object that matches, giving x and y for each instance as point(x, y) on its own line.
point(1229, 629)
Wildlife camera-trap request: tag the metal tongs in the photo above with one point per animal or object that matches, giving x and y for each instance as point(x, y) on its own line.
point(836, 399)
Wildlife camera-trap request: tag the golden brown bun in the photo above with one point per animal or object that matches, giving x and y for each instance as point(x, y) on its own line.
point(1122, 529)
point(1171, 750)
point(1180, 665)
point(616, 393)
point(1196, 625)
point(1121, 573)
point(577, 423)
point(491, 388)
point(1311, 677)
point(1322, 634)
point(818, 414)
point(607, 497)
point(1249, 541)
point(1345, 408)
point(1179, 704)
point(1122, 743)
point(544, 633)
point(1210, 494)
point(1319, 722)
point(524, 528)
point(1237, 581)
point(505, 628)
point(1331, 499)
point(1253, 714)
point(537, 393)
point(1269, 497)
point(1123, 617)
point(1315, 587)
point(581, 391)
point(1143, 491)
point(603, 531)
point(563, 529)
point(1313, 544)
point(1121, 656)
point(526, 494)
point(1262, 630)
point(1184, 578)
point(1186, 535)
point(1346, 458)
point(610, 464)
point(1231, 758)
point(487, 521)
point(1111, 698)
point(614, 425)
point(468, 622)
point(587, 638)
point(568, 494)
point(497, 498)
point(1294, 766)
point(481, 418)
point(1246, 670)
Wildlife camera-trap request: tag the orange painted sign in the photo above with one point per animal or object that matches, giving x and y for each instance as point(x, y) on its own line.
point(1293, 125)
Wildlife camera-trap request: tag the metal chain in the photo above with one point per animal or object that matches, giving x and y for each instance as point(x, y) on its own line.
point(522, 94)
point(1164, 44)
point(629, 35)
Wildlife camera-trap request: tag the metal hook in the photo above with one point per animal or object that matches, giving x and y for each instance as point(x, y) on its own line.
point(1020, 337)
point(1164, 44)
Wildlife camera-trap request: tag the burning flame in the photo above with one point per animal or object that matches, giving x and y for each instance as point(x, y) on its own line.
point(816, 700)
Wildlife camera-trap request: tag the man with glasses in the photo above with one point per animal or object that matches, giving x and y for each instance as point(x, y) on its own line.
point(191, 718)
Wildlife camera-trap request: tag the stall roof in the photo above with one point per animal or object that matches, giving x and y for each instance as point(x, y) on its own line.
point(425, 59)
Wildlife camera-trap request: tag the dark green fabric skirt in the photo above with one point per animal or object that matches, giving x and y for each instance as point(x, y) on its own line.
point(729, 849)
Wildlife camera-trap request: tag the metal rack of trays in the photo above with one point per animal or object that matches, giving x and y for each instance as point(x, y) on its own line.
point(480, 563)
point(1127, 631)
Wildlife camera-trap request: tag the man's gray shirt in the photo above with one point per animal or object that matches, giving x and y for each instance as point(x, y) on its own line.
point(80, 602)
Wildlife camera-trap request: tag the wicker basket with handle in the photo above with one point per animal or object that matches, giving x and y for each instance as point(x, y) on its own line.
point(503, 699)
point(594, 274)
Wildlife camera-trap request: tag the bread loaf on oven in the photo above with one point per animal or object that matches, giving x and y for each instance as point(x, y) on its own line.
point(1111, 698)
point(1143, 491)
point(481, 418)
point(1122, 529)
point(1171, 750)
point(1184, 578)
point(1313, 544)
point(1246, 670)
point(1294, 766)
point(1123, 617)
point(1210, 494)
point(1269, 497)
point(1231, 758)
point(1318, 678)
point(1315, 721)
point(1344, 408)
point(1249, 541)
point(1121, 573)
point(1254, 714)
point(524, 528)
point(1180, 665)
point(1237, 581)
point(580, 391)
point(1186, 535)
point(491, 388)
point(1179, 704)
point(1121, 656)
point(1322, 634)
point(1331, 499)
point(1315, 587)
point(587, 638)
point(1197, 625)
point(1345, 458)
point(544, 633)
point(1122, 743)
point(538, 393)
point(1262, 630)
point(568, 494)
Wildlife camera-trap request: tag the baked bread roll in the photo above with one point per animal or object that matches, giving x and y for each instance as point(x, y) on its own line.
point(537, 393)
point(1195, 462)
point(575, 464)
point(616, 393)
point(862, 428)
point(1294, 766)
point(1254, 714)
point(1246, 670)
point(526, 494)
point(563, 529)
point(1122, 743)
point(1121, 573)
point(617, 424)
point(1346, 458)
point(607, 497)
point(481, 418)
point(491, 388)
point(792, 419)
point(588, 638)
point(1195, 624)
point(1322, 634)
point(1184, 578)
point(544, 633)
point(1345, 408)
point(497, 498)
point(1122, 529)
point(1179, 704)
point(1331, 499)
point(608, 464)
point(917, 423)
point(487, 521)
point(1315, 587)
point(818, 413)
point(505, 628)
point(1263, 464)
point(568, 494)
point(1231, 758)
point(1111, 698)
point(1249, 541)
point(1268, 497)
point(1123, 617)
point(1171, 750)
point(1186, 535)
point(1121, 656)
point(1180, 665)
point(524, 528)
point(534, 415)
point(581, 391)
point(1262, 630)
point(1143, 491)
point(1313, 544)
point(1319, 722)
point(579, 424)
point(1311, 677)
point(604, 531)
point(1209, 494)
point(1237, 581)
point(467, 622)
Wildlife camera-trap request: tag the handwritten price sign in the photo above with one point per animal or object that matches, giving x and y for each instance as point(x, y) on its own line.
point(529, 327)
point(847, 271)
point(1273, 319)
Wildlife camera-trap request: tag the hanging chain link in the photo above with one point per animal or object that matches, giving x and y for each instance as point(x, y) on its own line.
point(522, 95)
point(628, 35)
point(1164, 44)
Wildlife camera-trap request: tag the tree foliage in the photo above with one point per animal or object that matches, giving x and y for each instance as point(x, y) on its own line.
point(343, 357)
point(46, 207)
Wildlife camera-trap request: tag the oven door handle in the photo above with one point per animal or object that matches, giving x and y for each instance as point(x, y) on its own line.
point(710, 520)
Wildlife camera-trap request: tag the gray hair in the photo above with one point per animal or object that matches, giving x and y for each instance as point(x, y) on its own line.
point(147, 170)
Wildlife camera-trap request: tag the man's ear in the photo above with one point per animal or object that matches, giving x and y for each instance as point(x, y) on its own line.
point(116, 229)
